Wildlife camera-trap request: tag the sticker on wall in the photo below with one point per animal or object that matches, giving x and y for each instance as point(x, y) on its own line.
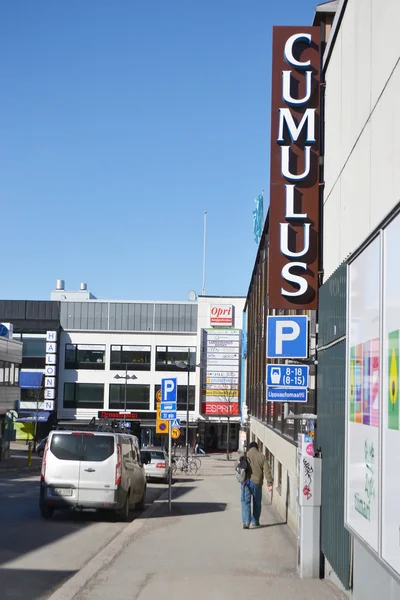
point(375, 382)
point(393, 400)
point(366, 391)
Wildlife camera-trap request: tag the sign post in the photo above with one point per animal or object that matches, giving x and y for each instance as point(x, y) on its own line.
point(168, 399)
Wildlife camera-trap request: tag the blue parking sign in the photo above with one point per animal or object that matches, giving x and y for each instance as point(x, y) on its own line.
point(287, 336)
point(168, 389)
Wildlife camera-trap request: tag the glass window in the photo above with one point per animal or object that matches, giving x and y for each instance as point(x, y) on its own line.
point(84, 356)
point(97, 448)
point(167, 357)
point(137, 396)
point(1, 372)
point(6, 373)
point(16, 375)
point(12, 374)
point(133, 358)
point(66, 446)
point(33, 351)
point(181, 396)
point(83, 395)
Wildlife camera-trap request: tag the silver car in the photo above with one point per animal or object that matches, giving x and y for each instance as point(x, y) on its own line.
point(155, 461)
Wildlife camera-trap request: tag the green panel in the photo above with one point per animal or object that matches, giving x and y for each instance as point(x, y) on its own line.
point(393, 374)
point(331, 410)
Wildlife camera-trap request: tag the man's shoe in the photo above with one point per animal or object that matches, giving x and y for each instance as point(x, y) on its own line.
point(245, 525)
point(254, 525)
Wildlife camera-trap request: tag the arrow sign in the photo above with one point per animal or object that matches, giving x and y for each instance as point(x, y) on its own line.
point(168, 406)
point(176, 424)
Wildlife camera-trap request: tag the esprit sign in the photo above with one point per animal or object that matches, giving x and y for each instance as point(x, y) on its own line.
point(294, 192)
point(221, 315)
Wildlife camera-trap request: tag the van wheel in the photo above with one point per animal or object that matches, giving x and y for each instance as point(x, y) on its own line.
point(141, 505)
point(46, 511)
point(123, 512)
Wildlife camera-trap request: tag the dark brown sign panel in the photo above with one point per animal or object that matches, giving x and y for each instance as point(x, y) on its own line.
point(294, 193)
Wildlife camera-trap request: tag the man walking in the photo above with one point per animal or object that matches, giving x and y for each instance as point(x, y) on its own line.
point(252, 487)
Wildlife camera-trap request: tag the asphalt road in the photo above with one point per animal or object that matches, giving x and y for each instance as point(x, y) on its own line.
point(37, 556)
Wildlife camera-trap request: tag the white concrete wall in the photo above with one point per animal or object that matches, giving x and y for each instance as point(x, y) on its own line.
point(284, 501)
point(362, 127)
point(106, 376)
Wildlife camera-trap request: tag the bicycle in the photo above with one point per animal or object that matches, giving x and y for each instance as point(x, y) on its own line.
point(196, 460)
point(187, 466)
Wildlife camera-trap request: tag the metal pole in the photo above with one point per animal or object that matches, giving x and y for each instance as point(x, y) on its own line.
point(187, 408)
point(170, 464)
point(126, 385)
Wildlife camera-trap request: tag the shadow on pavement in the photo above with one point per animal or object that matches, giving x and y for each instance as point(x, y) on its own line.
point(267, 525)
point(30, 584)
point(188, 508)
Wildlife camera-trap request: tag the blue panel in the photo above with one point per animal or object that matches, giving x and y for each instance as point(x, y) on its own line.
point(29, 416)
point(287, 337)
point(30, 380)
point(287, 375)
point(169, 389)
point(286, 394)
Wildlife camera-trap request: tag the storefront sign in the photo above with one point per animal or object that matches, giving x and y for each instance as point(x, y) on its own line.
point(294, 179)
point(128, 416)
point(220, 408)
point(221, 315)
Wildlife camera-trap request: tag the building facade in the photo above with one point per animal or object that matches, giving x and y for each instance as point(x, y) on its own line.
point(86, 358)
point(361, 224)
point(10, 365)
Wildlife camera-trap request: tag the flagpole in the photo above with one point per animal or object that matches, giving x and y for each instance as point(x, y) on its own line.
point(203, 289)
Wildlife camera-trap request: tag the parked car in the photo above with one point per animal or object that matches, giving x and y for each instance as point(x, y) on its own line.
point(92, 469)
point(41, 446)
point(155, 462)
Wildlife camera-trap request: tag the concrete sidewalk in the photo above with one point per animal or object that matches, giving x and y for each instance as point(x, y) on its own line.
point(201, 551)
point(18, 459)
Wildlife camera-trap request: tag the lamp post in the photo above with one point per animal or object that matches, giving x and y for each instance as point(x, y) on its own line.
point(186, 365)
point(126, 377)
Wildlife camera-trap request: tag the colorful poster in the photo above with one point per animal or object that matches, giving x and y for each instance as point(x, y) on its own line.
point(352, 399)
point(393, 395)
point(358, 383)
point(375, 382)
point(366, 387)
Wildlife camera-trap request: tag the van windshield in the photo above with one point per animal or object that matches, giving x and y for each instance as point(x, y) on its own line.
point(93, 448)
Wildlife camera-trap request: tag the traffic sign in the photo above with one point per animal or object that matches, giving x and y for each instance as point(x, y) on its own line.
point(158, 395)
point(162, 426)
point(168, 389)
point(175, 433)
point(176, 424)
point(287, 336)
point(286, 394)
point(287, 375)
point(168, 415)
point(168, 406)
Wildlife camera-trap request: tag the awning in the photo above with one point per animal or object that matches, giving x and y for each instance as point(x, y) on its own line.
point(30, 379)
point(29, 416)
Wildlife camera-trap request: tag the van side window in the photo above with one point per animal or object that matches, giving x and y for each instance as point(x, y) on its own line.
point(134, 453)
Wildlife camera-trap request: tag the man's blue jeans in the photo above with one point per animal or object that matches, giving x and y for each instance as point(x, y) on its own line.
point(251, 490)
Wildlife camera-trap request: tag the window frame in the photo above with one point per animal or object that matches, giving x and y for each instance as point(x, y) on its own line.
point(165, 365)
point(76, 404)
point(76, 364)
point(122, 365)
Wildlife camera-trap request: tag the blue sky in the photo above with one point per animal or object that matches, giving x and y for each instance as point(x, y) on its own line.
point(121, 123)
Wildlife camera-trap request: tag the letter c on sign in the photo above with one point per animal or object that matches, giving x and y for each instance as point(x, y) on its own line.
point(288, 53)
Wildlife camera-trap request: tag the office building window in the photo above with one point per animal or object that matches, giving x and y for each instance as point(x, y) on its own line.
point(180, 396)
point(84, 356)
point(83, 395)
point(33, 350)
point(168, 356)
point(137, 396)
point(133, 358)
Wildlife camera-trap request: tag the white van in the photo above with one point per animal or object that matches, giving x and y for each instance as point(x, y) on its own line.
point(92, 469)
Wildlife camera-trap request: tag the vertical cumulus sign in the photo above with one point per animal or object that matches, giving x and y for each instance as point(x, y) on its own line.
point(258, 218)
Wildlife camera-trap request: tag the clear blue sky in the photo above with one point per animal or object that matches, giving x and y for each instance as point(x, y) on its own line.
point(121, 122)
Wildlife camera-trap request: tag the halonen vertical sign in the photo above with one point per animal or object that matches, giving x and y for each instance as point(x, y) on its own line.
point(294, 177)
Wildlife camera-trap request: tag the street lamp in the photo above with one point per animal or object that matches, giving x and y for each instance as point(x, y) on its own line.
point(186, 365)
point(126, 377)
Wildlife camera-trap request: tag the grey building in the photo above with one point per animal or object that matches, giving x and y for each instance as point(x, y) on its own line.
point(10, 364)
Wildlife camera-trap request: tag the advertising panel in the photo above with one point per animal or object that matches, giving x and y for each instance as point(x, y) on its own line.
point(220, 381)
point(362, 497)
point(221, 315)
point(390, 398)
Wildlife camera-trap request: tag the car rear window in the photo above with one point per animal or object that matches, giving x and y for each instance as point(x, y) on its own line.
point(157, 455)
point(93, 448)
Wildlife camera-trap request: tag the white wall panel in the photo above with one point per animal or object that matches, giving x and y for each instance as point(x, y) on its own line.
point(385, 151)
point(331, 236)
point(385, 24)
point(333, 118)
